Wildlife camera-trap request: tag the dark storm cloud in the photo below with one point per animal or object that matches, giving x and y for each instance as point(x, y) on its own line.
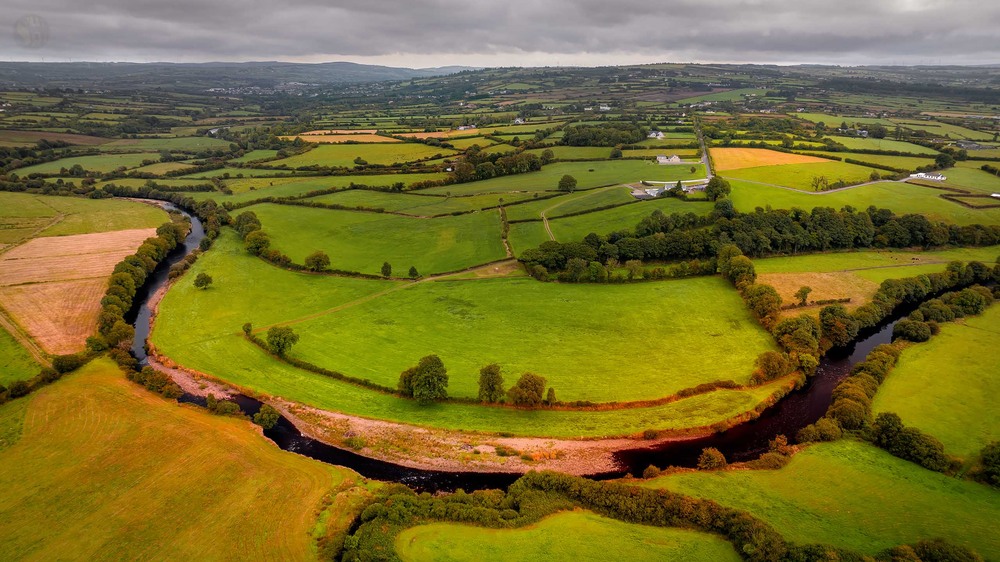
point(512, 31)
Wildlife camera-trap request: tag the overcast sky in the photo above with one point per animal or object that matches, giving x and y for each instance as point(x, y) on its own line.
point(422, 33)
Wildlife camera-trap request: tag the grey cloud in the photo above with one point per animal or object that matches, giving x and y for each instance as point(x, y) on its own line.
point(844, 31)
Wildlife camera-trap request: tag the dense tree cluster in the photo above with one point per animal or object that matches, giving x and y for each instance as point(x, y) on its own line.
point(661, 237)
point(605, 134)
point(478, 165)
point(426, 382)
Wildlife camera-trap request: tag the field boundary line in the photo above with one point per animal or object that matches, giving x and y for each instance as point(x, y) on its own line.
point(22, 338)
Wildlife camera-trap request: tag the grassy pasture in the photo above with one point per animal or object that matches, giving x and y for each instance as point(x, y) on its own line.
point(526, 235)
point(15, 361)
point(362, 241)
point(575, 202)
point(878, 259)
point(547, 179)
point(738, 158)
point(970, 179)
point(853, 495)
point(855, 143)
point(900, 162)
point(71, 215)
point(192, 144)
point(834, 121)
point(344, 154)
point(201, 330)
point(577, 152)
point(946, 387)
point(602, 222)
point(902, 198)
point(416, 204)
point(96, 163)
point(238, 172)
point(256, 155)
point(130, 475)
point(800, 176)
point(571, 536)
point(464, 143)
point(342, 138)
point(28, 138)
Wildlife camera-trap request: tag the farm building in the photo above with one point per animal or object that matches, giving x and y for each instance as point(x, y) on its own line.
point(664, 159)
point(926, 176)
point(655, 135)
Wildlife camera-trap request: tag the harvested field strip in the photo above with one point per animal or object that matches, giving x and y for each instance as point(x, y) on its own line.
point(62, 258)
point(59, 315)
point(738, 158)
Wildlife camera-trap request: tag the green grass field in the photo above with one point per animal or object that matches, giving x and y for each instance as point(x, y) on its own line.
point(358, 241)
point(418, 205)
point(607, 172)
point(834, 121)
point(868, 260)
point(94, 467)
point(526, 235)
point(15, 362)
point(249, 189)
point(602, 222)
point(97, 163)
point(239, 173)
point(201, 330)
point(377, 153)
point(256, 155)
point(971, 179)
point(946, 387)
point(184, 144)
point(901, 198)
point(571, 203)
point(800, 176)
point(901, 162)
point(571, 536)
point(853, 495)
point(859, 143)
point(22, 214)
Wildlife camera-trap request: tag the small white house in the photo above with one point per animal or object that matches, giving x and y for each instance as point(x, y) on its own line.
point(604, 107)
point(663, 159)
point(929, 177)
point(655, 135)
point(519, 121)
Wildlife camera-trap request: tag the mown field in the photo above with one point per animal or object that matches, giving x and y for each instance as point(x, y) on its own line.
point(603, 222)
point(571, 203)
point(574, 535)
point(853, 495)
point(901, 198)
point(947, 386)
point(201, 330)
point(379, 153)
point(357, 241)
point(577, 357)
point(94, 467)
point(95, 163)
point(185, 144)
point(610, 172)
point(800, 176)
point(418, 205)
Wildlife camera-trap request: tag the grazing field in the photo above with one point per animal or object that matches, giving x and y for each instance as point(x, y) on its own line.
point(738, 158)
point(28, 138)
point(342, 138)
point(970, 179)
point(249, 189)
point(909, 163)
point(526, 235)
point(184, 144)
point(947, 387)
point(417, 205)
point(129, 475)
point(801, 176)
point(858, 143)
point(577, 152)
point(570, 536)
point(603, 173)
point(357, 241)
point(571, 203)
point(835, 120)
point(256, 156)
point(853, 495)
point(15, 362)
point(628, 216)
point(97, 163)
point(239, 173)
point(901, 198)
point(201, 330)
point(345, 154)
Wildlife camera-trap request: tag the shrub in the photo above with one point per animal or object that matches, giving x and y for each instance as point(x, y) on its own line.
point(266, 417)
point(527, 391)
point(650, 472)
point(912, 330)
point(67, 363)
point(355, 442)
point(711, 459)
point(991, 463)
point(18, 389)
point(849, 414)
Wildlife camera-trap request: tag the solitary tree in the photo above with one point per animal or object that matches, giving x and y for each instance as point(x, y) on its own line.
point(567, 183)
point(717, 188)
point(413, 272)
point(527, 391)
point(266, 417)
point(616, 153)
point(256, 242)
point(550, 396)
point(427, 382)
point(386, 269)
point(280, 339)
point(203, 280)
point(803, 294)
point(490, 383)
point(317, 261)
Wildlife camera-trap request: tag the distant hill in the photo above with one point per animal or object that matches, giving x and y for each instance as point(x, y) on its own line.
point(201, 76)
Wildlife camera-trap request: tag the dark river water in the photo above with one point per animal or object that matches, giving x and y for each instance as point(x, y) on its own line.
point(744, 442)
